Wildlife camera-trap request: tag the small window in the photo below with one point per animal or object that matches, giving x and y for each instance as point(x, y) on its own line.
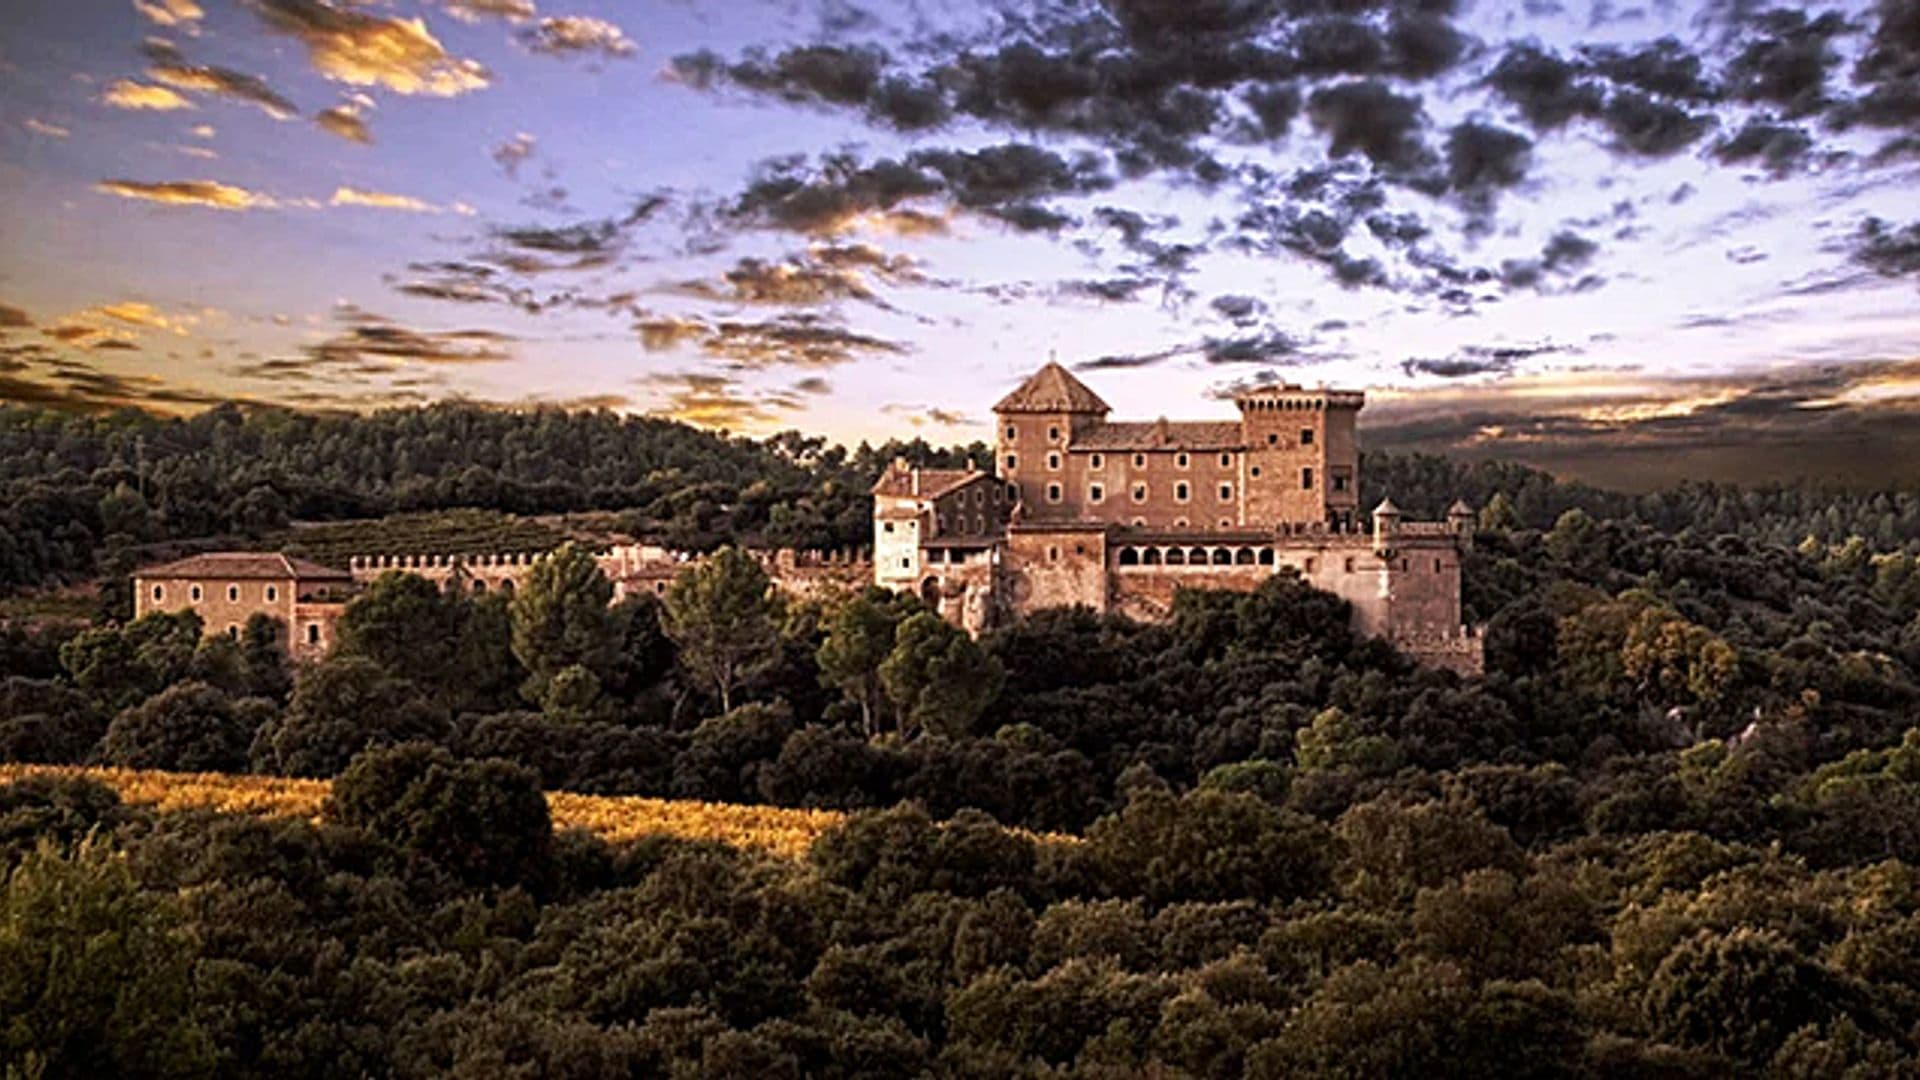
point(1226, 523)
point(1180, 491)
point(1013, 462)
point(273, 593)
point(1053, 554)
point(1053, 493)
point(1340, 481)
point(1053, 462)
point(1309, 566)
point(1180, 523)
point(1053, 434)
point(233, 631)
point(1306, 479)
point(1096, 493)
point(159, 592)
point(1436, 566)
point(194, 593)
point(1013, 433)
point(313, 633)
point(1273, 438)
point(1139, 461)
point(1140, 523)
point(233, 594)
point(1254, 472)
point(1180, 460)
point(998, 496)
point(1349, 564)
point(1139, 493)
point(1306, 436)
point(886, 526)
point(906, 562)
point(1097, 461)
point(1226, 461)
point(1226, 492)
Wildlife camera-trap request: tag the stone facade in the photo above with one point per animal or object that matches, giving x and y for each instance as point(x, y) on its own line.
point(1119, 516)
point(227, 588)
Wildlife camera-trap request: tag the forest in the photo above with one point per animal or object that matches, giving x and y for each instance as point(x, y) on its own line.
point(1672, 832)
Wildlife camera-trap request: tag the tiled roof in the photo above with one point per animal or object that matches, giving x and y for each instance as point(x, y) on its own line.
point(1159, 434)
point(933, 483)
point(246, 565)
point(1052, 389)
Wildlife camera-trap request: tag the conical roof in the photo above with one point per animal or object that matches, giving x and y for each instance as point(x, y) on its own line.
point(1386, 509)
point(1052, 389)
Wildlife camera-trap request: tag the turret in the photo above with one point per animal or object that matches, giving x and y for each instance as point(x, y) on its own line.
point(1460, 521)
point(1386, 524)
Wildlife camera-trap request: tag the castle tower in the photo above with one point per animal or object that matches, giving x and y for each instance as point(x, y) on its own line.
point(1303, 462)
point(1033, 427)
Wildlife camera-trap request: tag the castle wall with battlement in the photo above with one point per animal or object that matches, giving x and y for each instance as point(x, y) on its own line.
point(633, 568)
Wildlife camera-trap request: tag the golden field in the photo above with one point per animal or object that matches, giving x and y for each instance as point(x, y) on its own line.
point(777, 830)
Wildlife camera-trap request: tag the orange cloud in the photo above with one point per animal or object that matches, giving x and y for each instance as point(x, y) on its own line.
point(207, 193)
point(380, 200)
point(360, 49)
point(128, 94)
point(171, 13)
point(54, 131)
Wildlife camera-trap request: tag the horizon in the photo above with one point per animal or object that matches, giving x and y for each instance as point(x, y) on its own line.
point(1627, 245)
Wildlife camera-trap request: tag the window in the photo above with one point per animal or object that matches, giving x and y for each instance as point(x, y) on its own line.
point(1053, 554)
point(1096, 493)
point(1013, 433)
point(979, 524)
point(1436, 566)
point(886, 527)
point(1053, 434)
point(1341, 479)
point(1139, 493)
point(1226, 492)
point(159, 592)
point(233, 631)
point(1013, 462)
point(1349, 564)
point(313, 633)
point(1306, 479)
point(1180, 491)
point(1180, 460)
point(1273, 439)
point(1254, 472)
point(1053, 493)
point(1306, 436)
point(1141, 523)
point(979, 497)
point(233, 594)
point(194, 593)
point(906, 562)
point(1053, 461)
point(1226, 461)
point(273, 593)
point(1097, 461)
point(1310, 566)
point(1226, 523)
point(1139, 461)
point(998, 496)
point(940, 522)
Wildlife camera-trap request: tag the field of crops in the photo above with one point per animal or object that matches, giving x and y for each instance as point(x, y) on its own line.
point(440, 532)
point(618, 819)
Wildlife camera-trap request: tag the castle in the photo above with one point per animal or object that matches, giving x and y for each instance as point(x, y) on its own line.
point(1082, 510)
point(1119, 515)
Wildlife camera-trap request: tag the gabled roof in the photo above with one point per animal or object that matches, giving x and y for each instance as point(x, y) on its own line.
point(1159, 434)
point(1052, 389)
point(246, 566)
point(924, 483)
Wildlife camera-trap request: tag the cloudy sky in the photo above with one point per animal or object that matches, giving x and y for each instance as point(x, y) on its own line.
point(1633, 241)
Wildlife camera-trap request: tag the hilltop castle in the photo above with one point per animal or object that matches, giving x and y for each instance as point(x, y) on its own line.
point(1118, 515)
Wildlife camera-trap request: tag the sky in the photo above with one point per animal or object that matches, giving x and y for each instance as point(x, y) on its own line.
point(1630, 242)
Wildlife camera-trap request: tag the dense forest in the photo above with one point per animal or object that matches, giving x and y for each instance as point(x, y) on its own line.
point(1672, 833)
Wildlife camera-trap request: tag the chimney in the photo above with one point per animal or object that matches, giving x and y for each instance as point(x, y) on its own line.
point(1160, 431)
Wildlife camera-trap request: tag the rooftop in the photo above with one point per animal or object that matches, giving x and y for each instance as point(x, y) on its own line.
point(1158, 434)
point(246, 565)
point(904, 480)
point(1052, 389)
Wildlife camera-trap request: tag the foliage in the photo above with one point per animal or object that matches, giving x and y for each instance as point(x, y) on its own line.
point(722, 615)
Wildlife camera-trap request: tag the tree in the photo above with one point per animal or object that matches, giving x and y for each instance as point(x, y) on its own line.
point(938, 678)
point(95, 974)
point(405, 623)
point(562, 619)
point(188, 727)
point(340, 707)
point(723, 617)
point(859, 639)
point(1498, 515)
point(485, 821)
point(123, 665)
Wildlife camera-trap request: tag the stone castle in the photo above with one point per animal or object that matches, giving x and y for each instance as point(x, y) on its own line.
point(1077, 510)
point(1119, 515)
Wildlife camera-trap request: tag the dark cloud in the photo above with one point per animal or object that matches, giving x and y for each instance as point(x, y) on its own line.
point(796, 339)
point(1482, 158)
point(166, 65)
point(1369, 118)
point(1240, 309)
point(1781, 148)
point(1890, 68)
point(1785, 63)
point(1262, 348)
point(1664, 68)
point(823, 275)
point(1564, 253)
point(1888, 249)
point(1111, 290)
point(345, 121)
point(370, 343)
point(1548, 90)
point(1653, 128)
point(511, 153)
point(1475, 360)
point(13, 318)
point(825, 74)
